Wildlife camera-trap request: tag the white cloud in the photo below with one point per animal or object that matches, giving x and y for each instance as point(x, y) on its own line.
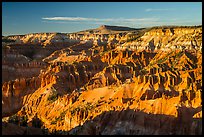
point(66, 18)
point(99, 20)
point(59, 22)
point(131, 22)
point(149, 10)
point(75, 19)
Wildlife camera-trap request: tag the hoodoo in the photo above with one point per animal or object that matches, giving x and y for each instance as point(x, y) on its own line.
point(106, 81)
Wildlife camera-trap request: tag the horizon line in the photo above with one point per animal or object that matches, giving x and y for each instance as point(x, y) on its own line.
point(103, 25)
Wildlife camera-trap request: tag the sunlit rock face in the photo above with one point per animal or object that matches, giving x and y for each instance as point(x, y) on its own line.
point(105, 81)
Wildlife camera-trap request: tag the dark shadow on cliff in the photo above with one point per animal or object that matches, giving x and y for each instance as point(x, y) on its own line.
point(135, 122)
point(130, 122)
point(125, 122)
point(30, 50)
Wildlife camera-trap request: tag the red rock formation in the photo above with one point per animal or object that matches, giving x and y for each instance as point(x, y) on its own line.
point(98, 88)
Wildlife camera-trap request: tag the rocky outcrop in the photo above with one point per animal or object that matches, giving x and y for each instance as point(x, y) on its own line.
point(13, 91)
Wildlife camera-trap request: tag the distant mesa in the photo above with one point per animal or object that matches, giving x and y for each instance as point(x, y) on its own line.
point(107, 29)
point(116, 28)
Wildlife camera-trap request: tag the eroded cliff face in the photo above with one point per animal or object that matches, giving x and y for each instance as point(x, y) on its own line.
point(150, 84)
point(48, 39)
point(165, 39)
point(16, 65)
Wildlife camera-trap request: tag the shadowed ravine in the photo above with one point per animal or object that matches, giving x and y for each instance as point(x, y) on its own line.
point(130, 122)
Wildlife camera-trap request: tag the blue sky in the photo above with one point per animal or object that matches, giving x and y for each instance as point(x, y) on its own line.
point(33, 17)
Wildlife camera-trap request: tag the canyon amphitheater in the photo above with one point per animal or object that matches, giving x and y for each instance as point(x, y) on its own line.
point(106, 81)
